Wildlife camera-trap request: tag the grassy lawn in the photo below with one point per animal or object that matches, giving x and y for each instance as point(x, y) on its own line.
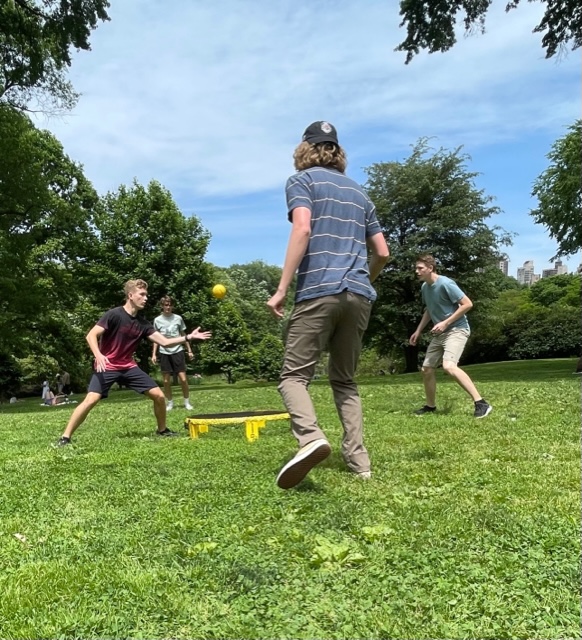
point(468, 529)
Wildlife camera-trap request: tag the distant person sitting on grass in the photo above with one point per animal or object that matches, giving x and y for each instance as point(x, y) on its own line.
point(113, 341)
point(446, 306)
point(51, 399)
point(172, 359)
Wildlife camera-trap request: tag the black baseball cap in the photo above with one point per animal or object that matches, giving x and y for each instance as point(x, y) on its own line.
point(320, 131)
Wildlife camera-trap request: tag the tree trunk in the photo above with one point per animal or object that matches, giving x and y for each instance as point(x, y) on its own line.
point(411, 359)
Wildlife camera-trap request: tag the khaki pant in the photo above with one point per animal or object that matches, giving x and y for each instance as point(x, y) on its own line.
point(447, 346)
point(337, 323)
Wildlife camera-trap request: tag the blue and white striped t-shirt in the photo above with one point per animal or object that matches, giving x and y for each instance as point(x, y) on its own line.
point(342, 218)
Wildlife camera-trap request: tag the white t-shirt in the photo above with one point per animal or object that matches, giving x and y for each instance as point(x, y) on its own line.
point(170, 326)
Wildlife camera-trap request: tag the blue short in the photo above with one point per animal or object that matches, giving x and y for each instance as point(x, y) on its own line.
point(134, 378)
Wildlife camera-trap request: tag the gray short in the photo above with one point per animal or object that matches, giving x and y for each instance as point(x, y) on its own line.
point(447, 346)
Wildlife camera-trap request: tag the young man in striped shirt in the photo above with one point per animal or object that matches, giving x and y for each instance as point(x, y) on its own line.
point(334, 226)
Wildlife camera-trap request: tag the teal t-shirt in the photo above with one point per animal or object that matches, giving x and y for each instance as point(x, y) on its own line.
point(170, 326)
point(442, 300)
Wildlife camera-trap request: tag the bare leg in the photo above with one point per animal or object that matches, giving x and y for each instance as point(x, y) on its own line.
point(159, 406)
point(184, 384)
point(429, 379)
point(81, 412)
point(461, 378)
point(168, 386)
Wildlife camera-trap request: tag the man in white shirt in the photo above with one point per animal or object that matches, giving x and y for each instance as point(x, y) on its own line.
point(172, 359)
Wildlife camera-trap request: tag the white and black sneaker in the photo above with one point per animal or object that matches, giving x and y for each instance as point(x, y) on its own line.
point(482, 409)
point(305, 459)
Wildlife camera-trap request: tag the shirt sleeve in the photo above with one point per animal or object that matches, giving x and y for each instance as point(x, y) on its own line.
point(454, 292)
point(372, 225)
point(298, 193)
point(106, 320)
point(182, 325)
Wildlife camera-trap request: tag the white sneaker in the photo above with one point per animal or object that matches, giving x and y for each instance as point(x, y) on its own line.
point(305, 459)
point(364, 475)
point(169, 405)
point(187, 405)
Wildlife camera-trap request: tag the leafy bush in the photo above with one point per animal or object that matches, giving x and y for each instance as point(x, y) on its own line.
point(270, 357)
point(545, 333)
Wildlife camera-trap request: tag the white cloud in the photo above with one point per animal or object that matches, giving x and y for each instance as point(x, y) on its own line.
point(211, 98)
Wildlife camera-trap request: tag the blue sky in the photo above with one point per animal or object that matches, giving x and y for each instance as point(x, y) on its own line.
point(212, 98)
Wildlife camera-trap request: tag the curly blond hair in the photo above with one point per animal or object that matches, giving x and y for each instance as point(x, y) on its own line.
point(322, 154)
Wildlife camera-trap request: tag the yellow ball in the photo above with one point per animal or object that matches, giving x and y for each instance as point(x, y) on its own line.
point(219, 291)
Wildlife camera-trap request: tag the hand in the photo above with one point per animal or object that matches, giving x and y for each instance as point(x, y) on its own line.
point(277, 304)
point(414, 338)
point(199, 335)
point(440, 327)
point(190, 355)
point(154, 358)
point(101, 363)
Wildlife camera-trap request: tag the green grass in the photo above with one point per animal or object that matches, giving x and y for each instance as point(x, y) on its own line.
point(469, 529)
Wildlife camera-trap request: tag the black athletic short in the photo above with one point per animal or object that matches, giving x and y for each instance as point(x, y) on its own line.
point(173, 362)
point(134, 378)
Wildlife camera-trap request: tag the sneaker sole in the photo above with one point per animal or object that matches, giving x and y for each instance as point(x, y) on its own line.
point(297, 468)
point(489, 410)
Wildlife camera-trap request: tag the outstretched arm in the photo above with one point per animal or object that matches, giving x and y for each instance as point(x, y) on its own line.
point(158, 338)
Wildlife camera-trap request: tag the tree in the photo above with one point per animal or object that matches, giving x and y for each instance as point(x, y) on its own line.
point(559, 192)
point(431, 25)
point(429, 204)
point(143, 234)
point(270, 357)
point(229, 352)
point(36, 38)
point(46, 212)
point(250, 292)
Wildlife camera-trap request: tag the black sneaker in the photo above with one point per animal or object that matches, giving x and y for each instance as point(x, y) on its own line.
point(63, 442)
point(425, 409)
point(166, 433)
point(482, 409)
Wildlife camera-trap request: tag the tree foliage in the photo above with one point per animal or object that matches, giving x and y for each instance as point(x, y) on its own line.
point(36, 39)
point(252, 285)
point(46, 212)
point(431, 25)
point(229, 351)
point(541, 321)
point(270, 357)
point(429, 204)
point(559, 192)
point(143, 234)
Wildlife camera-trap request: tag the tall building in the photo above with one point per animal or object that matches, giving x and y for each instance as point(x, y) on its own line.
point(504, 266)
point(558, 270)
point(526, 275)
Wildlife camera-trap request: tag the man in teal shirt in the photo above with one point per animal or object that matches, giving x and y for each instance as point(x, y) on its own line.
point(446, 306)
